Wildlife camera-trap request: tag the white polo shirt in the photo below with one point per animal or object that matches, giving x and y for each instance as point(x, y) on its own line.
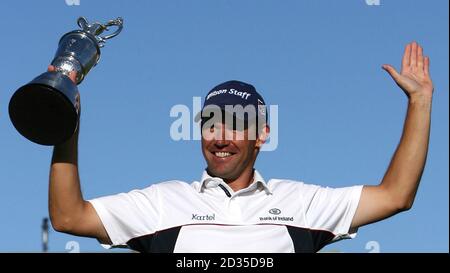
point(207, 216)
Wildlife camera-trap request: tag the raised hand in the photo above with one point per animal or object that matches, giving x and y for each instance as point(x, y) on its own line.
point(414, 78)
point(72, 76)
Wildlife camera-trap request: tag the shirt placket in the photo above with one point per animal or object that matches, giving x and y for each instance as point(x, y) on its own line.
point(234, 209)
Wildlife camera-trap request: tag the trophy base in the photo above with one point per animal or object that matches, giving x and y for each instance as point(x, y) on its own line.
point(43, 114)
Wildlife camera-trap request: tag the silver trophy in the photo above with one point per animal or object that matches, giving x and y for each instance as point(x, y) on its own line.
point(46, 110)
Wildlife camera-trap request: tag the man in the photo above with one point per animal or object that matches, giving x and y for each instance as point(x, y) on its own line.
point(232, 208)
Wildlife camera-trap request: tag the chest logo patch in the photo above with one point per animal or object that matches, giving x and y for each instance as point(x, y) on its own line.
point(274, 211)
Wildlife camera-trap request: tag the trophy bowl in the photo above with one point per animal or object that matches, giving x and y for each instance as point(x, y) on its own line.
point(46, 110)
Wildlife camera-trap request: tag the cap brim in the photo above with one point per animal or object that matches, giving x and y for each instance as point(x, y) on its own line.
point(248, 116)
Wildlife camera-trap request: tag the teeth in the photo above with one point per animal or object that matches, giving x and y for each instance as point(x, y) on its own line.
point(222, 154)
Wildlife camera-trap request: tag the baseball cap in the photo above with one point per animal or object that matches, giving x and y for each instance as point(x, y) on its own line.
point(236, 98)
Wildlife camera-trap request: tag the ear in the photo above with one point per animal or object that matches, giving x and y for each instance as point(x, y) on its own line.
point(263, 136)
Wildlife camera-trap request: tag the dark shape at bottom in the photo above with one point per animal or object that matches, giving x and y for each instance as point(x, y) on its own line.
point(44, 110)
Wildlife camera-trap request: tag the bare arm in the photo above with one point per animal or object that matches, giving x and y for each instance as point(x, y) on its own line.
point(69, 212)
point(398, 188)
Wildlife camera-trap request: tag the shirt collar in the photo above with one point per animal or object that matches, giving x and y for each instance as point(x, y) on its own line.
point(212, 182)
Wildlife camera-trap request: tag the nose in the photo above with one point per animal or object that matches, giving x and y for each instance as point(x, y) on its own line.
point(221, 143)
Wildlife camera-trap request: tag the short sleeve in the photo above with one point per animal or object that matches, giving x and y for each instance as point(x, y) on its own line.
point(332, 209)
point(128, 215)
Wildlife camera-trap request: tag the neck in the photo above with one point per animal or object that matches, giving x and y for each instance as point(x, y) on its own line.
point(243, 181)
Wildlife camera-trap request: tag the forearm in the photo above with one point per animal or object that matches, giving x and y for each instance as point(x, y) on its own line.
point(65, 198)
point(405, 170)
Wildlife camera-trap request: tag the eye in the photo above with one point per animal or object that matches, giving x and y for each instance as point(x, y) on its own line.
point(204, 128)
point(238, 125)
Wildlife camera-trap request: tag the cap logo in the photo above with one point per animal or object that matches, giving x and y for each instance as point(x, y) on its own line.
point(215, 93)
point(231, 91)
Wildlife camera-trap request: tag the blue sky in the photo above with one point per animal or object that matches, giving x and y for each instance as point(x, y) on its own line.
point(340, 115)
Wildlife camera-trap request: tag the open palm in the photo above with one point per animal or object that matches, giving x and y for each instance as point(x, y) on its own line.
point(414, 78)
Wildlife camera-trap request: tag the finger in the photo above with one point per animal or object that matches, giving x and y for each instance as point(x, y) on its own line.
point(406, 56)
point(426, 65)
point(51, 68)
point(413, 60)
point(394, 74)
point(419, 57)
point(73, 76)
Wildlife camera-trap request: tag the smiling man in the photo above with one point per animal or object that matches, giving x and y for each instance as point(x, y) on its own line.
point(232, 208)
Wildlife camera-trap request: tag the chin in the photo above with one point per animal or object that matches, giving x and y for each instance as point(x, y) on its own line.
point(219, 173)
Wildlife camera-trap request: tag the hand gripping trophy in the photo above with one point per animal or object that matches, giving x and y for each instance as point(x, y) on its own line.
point(46, 110)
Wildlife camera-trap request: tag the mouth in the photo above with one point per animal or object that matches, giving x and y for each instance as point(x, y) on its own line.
point(222, 154)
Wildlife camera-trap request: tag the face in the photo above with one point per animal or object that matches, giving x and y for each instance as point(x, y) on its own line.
point(229, 152)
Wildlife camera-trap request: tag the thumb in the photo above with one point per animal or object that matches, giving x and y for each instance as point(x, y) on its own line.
point(391, 70)
point(73, 76)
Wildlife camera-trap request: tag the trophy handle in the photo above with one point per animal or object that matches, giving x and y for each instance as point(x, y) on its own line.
point(117, 22)
point(96, 29)
point(82, 23)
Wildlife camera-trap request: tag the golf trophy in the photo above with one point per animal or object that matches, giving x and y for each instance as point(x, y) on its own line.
point(46, 110)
